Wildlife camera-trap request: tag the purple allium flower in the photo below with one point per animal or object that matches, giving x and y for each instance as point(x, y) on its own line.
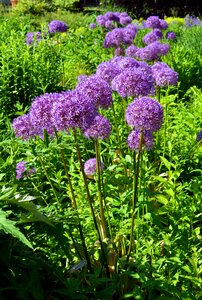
point(109, 25)
point(99, 129)
point(163, 24)
point(152, 51)
point(109, 16)
point(90, 166)
point(22, 127)
point(96, 90)
point(107, 71)
point(131, 50)
point(192, 20)
point(22, 168)
point(123, 63)
point(144, 114)
point(170, 35)
point(152, 22)
point(72, 111)
point(133, 82)
point(57, 26)
point(133, 140)
point(125, 20)
point(41, 113)
point(164, 75)
point(114, 38)
point(119, 51)
point(33, 38)
point(123, 14)
point(152, 36)
point(101, 20)
point(199, 136)
point(92, 26)
point(81, 77)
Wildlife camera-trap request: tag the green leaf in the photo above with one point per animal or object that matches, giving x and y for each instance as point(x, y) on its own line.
point(8, 226)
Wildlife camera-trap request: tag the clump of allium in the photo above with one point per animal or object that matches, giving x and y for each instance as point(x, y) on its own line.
point(81, 77)
point(131, 50)
point(144, 114)
point(152, 36)
point(114, 38)
point(72, 111)
point(22, 168)
point(90, 166)
point(152, 22)
point(101, 20)
point(163, 24)
point(107, 71)
point(57, 26)
point(33, 38)
point(22, 127)
point(109, 25)
point(92, 26)
point(152, 51)
point(133, 140)
point(125, 20)
point(124, 63)
point(164, 75)
point(41, 113)
point(133, 82)
point(170, 35)
point(99, 129)
point(199, 137)
point(192, 21)
point(96, 90)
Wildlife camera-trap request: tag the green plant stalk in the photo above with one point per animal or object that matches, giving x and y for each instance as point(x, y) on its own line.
point(116, 128)
point(90, 202)
point(136, 167)
point(49, 180)
point(98, 167)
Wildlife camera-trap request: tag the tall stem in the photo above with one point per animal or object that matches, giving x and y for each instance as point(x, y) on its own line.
point(135, 193)
point(98, 167)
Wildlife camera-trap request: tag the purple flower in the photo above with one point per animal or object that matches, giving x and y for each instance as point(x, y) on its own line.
point(131, 50)
point(199, 136)
point(119, 51)
point(192, 21)
point(72, 111)
point(110, 16)
point(170, 35)
point(123, 63)
point(81, 77)
point(22, 168)
point(163, 24)
point(22, 127)
point(33, 38)
point(125, 20)
point(133, 140)
point(114, 38)
point(96, 90)
point(109, 25)
point(152, 36)
point(101, 20)
point(144, 114)
point(107, 71)
point(164, 75)
point(41, 113)
point(99, 129)
point(152, 51)
point(152, 22)
point(57, 26)
point(90, 166)
point(92, 26)
point(133, 82)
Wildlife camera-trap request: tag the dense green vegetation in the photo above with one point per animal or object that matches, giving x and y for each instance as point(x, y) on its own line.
point(43, 234)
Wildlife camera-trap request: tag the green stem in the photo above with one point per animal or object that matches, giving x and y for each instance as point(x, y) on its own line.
point(135, 194)
point(98, 167)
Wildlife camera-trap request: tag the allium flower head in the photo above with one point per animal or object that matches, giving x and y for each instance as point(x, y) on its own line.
point(114, 38)
point(109, 16)
point(72, 111)
point(199, 136)
point(96, 90)
point(109, 25)
point(33, 38)
point(133, 82)
point(22, 127)
point(107, 71)
point(22, 168)
point(133, 140)
point(170, 35)
point(131, 50)
point(90, 166)
point(164, 75)
point(100, 20)
point(152, 36)
point(41, 113)
point(152, 51)
point(163, 24)
point(152, 22)
point(144, 114)
point(99, 129)
point(57, 26)
point(125, 20)
point(92, 26)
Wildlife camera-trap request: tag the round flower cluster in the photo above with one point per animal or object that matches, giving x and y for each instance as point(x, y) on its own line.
point(22, 127)
point(57, 26)
point(107, 71)
point(99, 129)
point(156, 22)
point(164, 75)
point(144, 114)
point(90, 166)
point(95, 89)
point(33, 38)
point(120, 36)
point(170, 35)
point(133, 82)
point(152, 51)
point(109, 19)
point(152, 36)
point(134, 137)
point(22, 168)
point(131, 50)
